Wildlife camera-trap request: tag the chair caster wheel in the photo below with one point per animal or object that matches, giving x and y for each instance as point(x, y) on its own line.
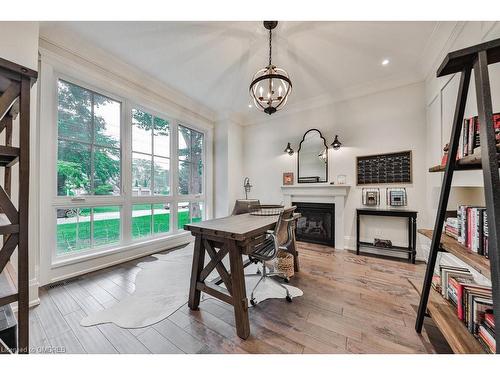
point(289, 298)
point(253, 302)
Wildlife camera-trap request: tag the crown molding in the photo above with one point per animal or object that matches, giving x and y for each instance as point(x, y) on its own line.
point(432, 59)
point(65, 45)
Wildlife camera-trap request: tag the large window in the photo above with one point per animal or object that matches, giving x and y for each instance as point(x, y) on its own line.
point(88, 161)
point(99, 146)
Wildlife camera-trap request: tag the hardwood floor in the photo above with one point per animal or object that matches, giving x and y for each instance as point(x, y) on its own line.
point(351, 304)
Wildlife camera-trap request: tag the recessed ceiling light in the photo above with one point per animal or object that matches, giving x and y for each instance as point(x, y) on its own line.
point(249, 106)
point(385, 62)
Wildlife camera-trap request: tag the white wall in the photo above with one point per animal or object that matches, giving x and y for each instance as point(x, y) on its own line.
point(392, 120)
point(228, 157)
point(440, 98)
point(19, 43)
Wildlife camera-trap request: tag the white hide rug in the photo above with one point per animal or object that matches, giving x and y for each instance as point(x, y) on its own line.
point(162, 287)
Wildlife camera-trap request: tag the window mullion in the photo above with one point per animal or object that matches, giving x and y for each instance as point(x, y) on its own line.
point(174, 167)
point(152, 157)
point(92, 147)
point(126, 154)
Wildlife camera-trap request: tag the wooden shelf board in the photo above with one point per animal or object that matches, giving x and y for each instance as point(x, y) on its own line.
point(451, 245)
point(470, 162)
point(445, 317)
point(8, 155)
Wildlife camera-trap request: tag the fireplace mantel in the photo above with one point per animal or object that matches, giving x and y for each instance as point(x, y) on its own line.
point(316, 189)
point(320, 193)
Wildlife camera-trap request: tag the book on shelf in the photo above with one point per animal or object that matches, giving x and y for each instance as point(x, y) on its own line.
point(486, 339)
point(471, 229)
point(473, 302)
point(469, 142)
point(451, 227)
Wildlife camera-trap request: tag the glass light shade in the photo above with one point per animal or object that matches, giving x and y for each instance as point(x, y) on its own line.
point(270, 89)
point(336, 143)
point(289, 149)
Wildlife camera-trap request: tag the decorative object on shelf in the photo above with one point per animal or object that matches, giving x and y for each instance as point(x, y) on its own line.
point(289, 149)
point(378, 242)
point(371, 196)
point(288, 178)
point(247, 186)
point(266, 209)
point(336, 143)
point(271, 85)
point(341, 179)
point(308, 180)
point(312, 159)
point(396, 197)
point(444, 159)
point(390, 168)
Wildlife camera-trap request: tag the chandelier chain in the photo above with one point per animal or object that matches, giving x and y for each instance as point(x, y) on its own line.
point(270, 45)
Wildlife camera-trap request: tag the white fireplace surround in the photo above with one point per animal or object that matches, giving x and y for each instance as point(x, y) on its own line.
point(320, 193)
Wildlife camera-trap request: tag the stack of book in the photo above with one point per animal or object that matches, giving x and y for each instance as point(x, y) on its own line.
point(469, 141)
point(472, 229)
point(473, 303)
point(451, 227)
point(486, 332)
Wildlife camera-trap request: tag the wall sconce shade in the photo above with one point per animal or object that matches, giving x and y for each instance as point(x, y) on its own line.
point(336, 143)
point(289, 149)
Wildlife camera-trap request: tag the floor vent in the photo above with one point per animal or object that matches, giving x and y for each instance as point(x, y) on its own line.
point(62, 283)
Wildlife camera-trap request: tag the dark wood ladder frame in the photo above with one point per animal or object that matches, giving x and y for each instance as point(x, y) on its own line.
point(475, 58)
point(15, 85)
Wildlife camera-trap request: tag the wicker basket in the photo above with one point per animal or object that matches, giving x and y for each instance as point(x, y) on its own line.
point(284, 263)
point(266, 209)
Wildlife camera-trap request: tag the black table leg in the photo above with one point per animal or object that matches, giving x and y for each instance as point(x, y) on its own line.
point(410, 239)
point(414, 232)
point(357, 233)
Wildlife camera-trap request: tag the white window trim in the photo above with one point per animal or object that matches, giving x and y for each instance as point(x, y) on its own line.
point(52, 267)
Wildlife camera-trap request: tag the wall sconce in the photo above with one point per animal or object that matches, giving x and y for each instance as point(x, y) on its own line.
point(289, 149)
point(336, 143)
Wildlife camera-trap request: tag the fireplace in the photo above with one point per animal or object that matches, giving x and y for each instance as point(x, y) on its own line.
point(317, 223)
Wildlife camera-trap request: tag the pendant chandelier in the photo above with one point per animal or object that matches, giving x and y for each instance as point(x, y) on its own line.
point(271, 85)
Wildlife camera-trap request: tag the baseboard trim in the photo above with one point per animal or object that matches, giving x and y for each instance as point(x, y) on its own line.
point(175, 242)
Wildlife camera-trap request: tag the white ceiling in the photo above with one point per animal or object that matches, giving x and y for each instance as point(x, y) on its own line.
point(213, 62)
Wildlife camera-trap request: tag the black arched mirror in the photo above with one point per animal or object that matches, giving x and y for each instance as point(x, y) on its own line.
point(312, 159)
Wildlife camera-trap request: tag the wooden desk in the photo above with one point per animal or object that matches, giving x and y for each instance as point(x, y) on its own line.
point(412, 229)
point(234, 235)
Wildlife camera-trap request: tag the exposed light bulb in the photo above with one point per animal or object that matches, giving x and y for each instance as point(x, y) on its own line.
point(385, 62)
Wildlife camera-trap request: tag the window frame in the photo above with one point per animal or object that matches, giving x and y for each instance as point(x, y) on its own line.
point(125, 200)
point(91, 199)
point(170, 121)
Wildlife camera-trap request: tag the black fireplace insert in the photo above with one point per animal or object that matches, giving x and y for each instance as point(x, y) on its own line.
point(317, 223)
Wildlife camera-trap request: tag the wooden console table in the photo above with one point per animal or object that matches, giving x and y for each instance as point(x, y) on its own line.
point(412, 229)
